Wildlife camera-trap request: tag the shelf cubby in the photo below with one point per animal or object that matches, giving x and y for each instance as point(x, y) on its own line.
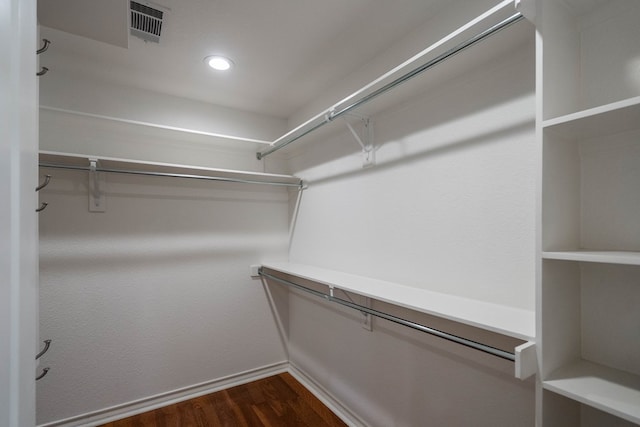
point(589, 316)
point(589, 48)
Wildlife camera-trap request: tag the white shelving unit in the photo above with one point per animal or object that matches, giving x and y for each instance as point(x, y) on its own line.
point(600, 121)
point(590, 257)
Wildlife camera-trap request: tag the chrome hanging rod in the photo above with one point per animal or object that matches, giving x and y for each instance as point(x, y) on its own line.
point(422, 328)
point(335, 112)
point(173, 175)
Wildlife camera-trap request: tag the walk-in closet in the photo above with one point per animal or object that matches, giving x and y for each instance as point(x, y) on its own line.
point(410, 213)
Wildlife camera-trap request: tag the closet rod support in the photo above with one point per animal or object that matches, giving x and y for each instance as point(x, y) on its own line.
point(368, 153)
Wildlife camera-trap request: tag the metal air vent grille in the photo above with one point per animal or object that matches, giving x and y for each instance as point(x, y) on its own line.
point(146, 22)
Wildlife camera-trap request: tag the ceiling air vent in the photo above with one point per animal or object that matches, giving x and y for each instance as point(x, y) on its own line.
point(146, 22)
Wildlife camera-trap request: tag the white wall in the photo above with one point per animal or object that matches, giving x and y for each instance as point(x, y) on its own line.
point(450, 207)
point(450, 204)
point(153, 295)
point(69, 88)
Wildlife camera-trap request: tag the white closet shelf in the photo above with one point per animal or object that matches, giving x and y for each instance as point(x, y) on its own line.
point(606, 257)
point(610, 390)
point(607, 119)
point(124, 166)
point(508, 321)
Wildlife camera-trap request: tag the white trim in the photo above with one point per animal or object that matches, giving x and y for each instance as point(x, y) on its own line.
point(135, 407)
point(139, 406)
point(329, 400)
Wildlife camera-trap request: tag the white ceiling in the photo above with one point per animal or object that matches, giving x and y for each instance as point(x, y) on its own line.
point(286, 52)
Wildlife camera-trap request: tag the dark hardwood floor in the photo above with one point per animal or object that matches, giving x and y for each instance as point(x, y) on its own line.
point(277, 401)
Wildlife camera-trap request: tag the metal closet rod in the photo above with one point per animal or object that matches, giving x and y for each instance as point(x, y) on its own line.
point(417, 326)
point(173, 175)
point(334, 112)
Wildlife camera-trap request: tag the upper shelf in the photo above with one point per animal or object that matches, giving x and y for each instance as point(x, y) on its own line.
point(604, 120)
point(114, 165)
point(491, 22)
point(508, 321)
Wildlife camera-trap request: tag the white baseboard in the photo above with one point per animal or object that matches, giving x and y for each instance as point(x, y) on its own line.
point(329, 400)
point(135, 407)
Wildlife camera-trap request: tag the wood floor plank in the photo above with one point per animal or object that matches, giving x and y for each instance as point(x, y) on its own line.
point(329, 418)
point(277, 401)
point(206, 411)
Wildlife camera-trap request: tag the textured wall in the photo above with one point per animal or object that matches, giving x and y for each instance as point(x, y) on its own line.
point(154, 294)
point(449, 207)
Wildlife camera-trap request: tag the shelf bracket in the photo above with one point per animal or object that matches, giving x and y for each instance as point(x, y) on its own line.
point(365, 140)
point(526, 360)
point(97, 181)
point(367, 322)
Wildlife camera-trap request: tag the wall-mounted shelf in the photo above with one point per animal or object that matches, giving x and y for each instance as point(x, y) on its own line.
point(491, 22)
point(595, 122)
point(610, 390)
point(607, 257)
point(134, 167)
point(508, 321)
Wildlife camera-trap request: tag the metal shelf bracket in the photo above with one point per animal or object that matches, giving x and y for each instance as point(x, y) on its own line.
point(97, 181)
point(364, 139)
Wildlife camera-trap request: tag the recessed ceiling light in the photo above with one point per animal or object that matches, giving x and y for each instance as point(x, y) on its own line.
point(219, 63)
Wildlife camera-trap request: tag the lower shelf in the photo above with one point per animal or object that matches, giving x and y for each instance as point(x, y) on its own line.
point(610, 390)
point(509, 321)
